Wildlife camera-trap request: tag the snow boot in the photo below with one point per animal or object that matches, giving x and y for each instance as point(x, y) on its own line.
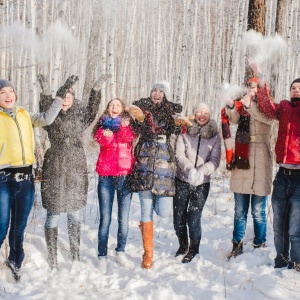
point(237, 249)
point(74, 238)
point(147, 235)
point(14, 270)
point(262, 245)
point(193, 251)
point(51, 241)
point(183, 246)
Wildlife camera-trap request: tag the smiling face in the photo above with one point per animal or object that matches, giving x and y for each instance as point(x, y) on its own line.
point(115, 108)
point(202, 116)
point(157, 96)
point(253, 88)
point(295, 90)
point(7, 98)
point(68, 102)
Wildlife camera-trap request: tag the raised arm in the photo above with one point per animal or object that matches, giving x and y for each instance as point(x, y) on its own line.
point(46, 118)
point(91, 110)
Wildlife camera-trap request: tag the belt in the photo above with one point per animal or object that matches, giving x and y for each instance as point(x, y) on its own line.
point(290, 172)
point(18, 174)
point(162, 139)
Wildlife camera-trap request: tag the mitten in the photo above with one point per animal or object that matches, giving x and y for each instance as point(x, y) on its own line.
point(198, 178)
point(191, 177)
point(44, 84)
point(180, 121)
point(62, 91)
point(136, 113)
point(101, 82)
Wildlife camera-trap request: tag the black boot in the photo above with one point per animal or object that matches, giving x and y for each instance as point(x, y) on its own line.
point(74, 238)
point(193, 251)
point(14, 270)
point(237, 249)
point(51, 241)
point(183, 246)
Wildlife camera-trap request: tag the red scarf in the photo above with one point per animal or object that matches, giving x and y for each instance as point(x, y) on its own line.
point(238, 157)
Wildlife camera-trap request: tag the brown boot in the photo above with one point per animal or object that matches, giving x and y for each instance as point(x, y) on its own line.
point(147, 235)
point(237, 249)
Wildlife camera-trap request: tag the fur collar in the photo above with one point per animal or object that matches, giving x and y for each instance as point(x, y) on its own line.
point(207, 131)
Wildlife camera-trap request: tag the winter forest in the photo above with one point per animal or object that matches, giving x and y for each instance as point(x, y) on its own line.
point(197, 47)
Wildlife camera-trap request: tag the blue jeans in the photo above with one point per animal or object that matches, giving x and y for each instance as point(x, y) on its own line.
point(162, 205)
point(258, 211)
point(16, 201)
point(106, 191)
point(52, 219)
point(286, 223)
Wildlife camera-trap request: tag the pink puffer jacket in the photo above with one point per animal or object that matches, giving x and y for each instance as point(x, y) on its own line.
point(115, 157)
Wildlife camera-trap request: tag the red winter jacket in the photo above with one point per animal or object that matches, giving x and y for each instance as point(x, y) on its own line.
point(115, 157)
point(287, 147)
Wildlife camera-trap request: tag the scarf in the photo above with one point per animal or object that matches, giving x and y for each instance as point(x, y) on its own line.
point(238, 157)
point(113, 124)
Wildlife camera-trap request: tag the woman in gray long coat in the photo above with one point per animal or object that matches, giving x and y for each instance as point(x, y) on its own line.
point(65, 180)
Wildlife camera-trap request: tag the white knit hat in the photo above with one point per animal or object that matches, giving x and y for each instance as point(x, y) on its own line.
point(203, 106)
point(163, 86)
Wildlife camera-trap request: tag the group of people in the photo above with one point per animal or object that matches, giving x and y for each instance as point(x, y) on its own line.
point(148, 148)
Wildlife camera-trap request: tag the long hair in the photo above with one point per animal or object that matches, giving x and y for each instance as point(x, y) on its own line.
point(105, 113)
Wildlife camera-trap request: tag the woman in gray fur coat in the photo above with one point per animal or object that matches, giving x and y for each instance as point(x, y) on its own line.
point(197, 156)
point(65, 178)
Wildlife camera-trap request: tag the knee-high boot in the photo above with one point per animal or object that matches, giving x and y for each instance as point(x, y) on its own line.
point(51, 241)
point(74, 238)
point(147, 235)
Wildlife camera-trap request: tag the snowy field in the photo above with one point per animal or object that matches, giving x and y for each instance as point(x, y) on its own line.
point(208, 276)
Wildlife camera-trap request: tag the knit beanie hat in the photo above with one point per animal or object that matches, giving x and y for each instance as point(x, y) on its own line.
point(201, 106)
point(5, 83)
point(296, 80)
point(253, 79)
point(162, 86)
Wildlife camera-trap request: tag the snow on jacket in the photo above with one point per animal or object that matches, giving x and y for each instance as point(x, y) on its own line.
point(115, 157)
point(287, 147)
point(258, 178)
point(65, 178)
point(154, 168)
point(209, 152)
point(16, 134)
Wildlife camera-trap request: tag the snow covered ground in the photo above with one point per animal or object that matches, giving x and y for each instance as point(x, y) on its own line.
point(208, 276)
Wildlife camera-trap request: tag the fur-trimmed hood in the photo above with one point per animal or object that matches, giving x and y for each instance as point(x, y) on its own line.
point(207, 131)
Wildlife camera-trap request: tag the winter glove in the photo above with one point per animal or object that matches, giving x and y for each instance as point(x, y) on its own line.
point(195, 177)
point(199, 177)
point(44, 84)
point(62, 91)
point(101, 82)
point(180, 121)
point(136, 113)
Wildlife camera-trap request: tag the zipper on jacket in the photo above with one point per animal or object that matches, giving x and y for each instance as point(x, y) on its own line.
point(21, 140)
point(198, 146)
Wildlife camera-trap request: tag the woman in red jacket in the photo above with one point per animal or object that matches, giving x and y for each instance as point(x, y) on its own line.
point(115, 136)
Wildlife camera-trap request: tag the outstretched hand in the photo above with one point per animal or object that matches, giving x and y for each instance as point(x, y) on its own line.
point(62, 91)
point(101, 82)
point(71, 81)
point(255, 68)
point(44, 84)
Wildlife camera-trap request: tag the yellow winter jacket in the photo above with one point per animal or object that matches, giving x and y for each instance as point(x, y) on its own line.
point(16, 139)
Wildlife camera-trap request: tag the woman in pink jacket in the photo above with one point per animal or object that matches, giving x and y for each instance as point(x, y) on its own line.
point(115, 136)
